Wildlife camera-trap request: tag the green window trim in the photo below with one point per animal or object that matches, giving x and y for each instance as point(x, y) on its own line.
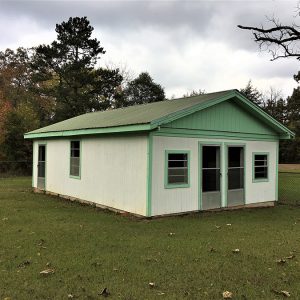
point(176, 185)
point(80, 155)
point(253, 167)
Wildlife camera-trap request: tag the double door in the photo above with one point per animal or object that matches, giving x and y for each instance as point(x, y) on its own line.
point(212, 173)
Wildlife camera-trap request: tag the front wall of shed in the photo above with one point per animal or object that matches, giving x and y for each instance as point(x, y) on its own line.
point(113, 171)
point(177, 200)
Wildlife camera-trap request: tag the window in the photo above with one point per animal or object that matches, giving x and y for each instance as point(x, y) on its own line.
point(177, 169)
point(235, 168)
point(75, 159)
point(260, 167)
point(211, 169)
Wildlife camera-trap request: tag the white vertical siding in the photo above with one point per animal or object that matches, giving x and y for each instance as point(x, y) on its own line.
point(166, 201)
point(113, 171)
point(173, 200)
point(261, 191)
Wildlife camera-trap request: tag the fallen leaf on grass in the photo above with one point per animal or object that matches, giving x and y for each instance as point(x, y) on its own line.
point(105, 292)
point(41, 242)
point(151, 259)
point(227, 295)
point(284, 293)
point(281, 261)
point(290, 257)
point(70, 296)
point(47, 271)
point(24, 264)
point(236, 250)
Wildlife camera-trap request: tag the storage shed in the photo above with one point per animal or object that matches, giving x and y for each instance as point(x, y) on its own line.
point(216, 150)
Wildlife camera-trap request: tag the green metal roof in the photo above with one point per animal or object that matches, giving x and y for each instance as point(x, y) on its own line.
point(133, 115)
point(143, 117)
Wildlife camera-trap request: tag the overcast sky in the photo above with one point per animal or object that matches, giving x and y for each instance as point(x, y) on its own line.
point(184, 45)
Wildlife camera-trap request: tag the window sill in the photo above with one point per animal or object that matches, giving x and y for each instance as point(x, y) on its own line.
point(175, 186)
point(74, 177)
point(260, 180)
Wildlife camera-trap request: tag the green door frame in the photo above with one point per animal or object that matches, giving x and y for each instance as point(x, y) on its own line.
point(37, 168)
point(227, 145)
point(200, 146)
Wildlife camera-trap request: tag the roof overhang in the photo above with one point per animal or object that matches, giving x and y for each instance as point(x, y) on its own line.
point(89, 131)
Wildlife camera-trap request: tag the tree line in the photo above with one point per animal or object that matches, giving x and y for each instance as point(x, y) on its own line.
point(285, 110)
point(50, 83)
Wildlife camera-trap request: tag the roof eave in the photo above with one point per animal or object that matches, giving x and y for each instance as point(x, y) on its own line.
point(88, 131)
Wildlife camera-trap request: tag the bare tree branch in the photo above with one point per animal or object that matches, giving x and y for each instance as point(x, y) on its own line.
point(281, 41)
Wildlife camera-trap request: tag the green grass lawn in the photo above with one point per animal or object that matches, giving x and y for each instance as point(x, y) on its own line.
point(289, 188)
point(90, 249)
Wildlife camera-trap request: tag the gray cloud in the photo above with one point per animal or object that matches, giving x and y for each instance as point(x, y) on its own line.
point(184, 44)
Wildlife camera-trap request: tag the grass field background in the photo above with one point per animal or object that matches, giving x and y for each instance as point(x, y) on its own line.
point(90, 249)
point(289, 184)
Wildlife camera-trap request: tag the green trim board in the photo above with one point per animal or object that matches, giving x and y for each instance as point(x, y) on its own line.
point(149, 175)
point(213, 134)
point(168, 185)
point(200, 145)
point(253, 167)
point(227, 145)
point(33, 164)
point(130, 128)
point(153, 115)
point(276, 175)
point(80, 157)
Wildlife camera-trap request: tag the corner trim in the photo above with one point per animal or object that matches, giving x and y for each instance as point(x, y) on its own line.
point(149, 175)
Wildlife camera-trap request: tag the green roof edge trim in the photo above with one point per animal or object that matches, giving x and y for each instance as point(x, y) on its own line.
point(116, 129)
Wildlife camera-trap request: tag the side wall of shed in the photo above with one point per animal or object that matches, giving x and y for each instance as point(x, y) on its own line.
point(113, 170)
point(177, 200)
